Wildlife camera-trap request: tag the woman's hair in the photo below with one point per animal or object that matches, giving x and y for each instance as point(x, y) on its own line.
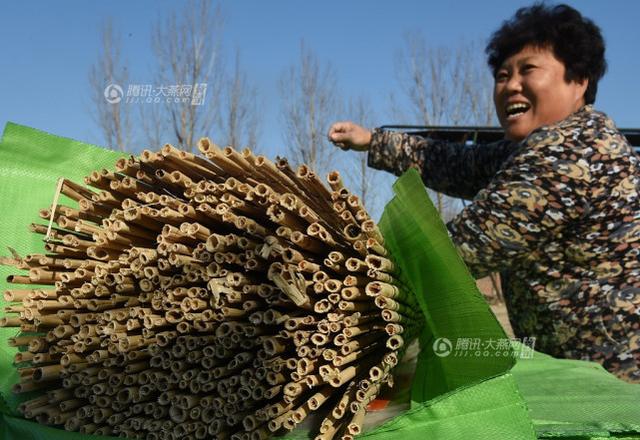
point(574, 39)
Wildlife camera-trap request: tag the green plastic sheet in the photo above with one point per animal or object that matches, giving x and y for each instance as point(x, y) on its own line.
point(577, 399)
point(453, 307)
point(31, 161)
point(452, 397)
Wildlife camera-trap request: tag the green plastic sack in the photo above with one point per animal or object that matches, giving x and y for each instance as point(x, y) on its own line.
point(453, 397)
point(449, 299)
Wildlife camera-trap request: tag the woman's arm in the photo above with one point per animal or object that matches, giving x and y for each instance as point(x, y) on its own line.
point(453, 168)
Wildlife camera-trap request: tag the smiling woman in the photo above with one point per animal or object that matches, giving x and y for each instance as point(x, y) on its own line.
point(531, 91)
point(556, 205)
point(546, 65)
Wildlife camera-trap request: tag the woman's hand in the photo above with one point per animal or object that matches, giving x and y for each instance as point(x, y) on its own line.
point(350, 136)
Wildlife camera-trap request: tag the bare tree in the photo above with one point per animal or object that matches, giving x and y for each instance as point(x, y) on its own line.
point(239, 121)
point(449, 86)
point(153, 124)
point(107, 79)
point(309, 105)
point(445, 86)
point(363, 178)
point(188, 51)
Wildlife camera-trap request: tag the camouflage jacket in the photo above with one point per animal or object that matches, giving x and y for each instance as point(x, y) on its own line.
point(559, 215)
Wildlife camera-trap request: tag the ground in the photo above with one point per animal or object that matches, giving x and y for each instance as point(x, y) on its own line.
point(493, 294)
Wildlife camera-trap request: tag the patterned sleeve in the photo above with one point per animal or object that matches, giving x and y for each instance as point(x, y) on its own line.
point(541, 189)
point(452, 168)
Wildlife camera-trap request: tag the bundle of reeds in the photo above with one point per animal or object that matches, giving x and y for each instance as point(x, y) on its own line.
point(225, 297)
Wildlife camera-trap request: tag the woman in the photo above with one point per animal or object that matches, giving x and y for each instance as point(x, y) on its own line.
point(556, 205)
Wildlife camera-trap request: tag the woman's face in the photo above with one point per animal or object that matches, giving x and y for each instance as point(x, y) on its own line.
point(530, 91)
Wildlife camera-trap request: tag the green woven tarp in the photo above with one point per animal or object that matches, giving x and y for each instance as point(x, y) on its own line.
point(452, 305)
point(577, 399)
point(453, 397)
point(31, 162)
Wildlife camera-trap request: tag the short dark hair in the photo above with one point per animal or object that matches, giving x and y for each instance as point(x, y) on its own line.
point(574, 39)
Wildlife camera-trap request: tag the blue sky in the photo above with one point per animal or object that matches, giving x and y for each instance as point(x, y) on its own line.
point(47, 48)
